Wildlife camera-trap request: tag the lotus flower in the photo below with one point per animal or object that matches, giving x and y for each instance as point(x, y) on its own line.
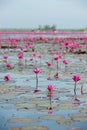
point(7, 77)
point(56, 76)
point(50, 88)
point(76, 78)
point(34, 54)
point(36, 71)
point(8, 65)
point(5, 57)
point(20, 57)
point(65, 62)
point(31, 59)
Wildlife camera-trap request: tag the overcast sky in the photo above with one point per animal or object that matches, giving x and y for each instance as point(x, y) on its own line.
point(65, 14)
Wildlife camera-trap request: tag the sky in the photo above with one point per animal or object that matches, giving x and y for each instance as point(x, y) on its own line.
point(29, 14)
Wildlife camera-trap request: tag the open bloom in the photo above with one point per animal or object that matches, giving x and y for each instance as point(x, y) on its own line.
point(7, 77)
point(37, 71)
point(40, 56)
point(56, 76)
point(8, 65)
point(76, 78)
point(5, 57)
point(65, 62)
point(20, 57)
point(31, 59)
point(56, 57)
point(50, 88)
point(34, 54)
point(49, 64)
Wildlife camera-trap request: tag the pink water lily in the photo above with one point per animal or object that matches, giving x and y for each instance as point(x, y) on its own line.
point(50, 87)
point(5, 57)
point(34, 54)
point(36, 71)
point(20, 57)
point(56, 76)
point(56, 57)
point(65, 62)
point(8, 65)
point(76, 78)
point(7, 77)
point(40, 56)
point(49, 64)
point(31, 59)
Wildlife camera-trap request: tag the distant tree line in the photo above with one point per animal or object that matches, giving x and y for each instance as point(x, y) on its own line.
point(47, 28)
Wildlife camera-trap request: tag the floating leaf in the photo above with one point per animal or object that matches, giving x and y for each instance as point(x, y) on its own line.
point(65, 122)
point(52, 117)
point(15, 128)
point(67, 107)
point(81, 117)
point(22, 120)
point(83, 110)
point(24, 104)
point(34, 128)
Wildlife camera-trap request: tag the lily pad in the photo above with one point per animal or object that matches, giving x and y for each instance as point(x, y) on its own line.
point(22, 120)
point(65, 122)
point(67, 107)
point(52, 117)
point(15, 128)
point(79, 117)
point(83, 110)
point(34, 128)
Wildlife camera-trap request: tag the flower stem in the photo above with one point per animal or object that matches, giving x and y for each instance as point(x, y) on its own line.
point(36, 81)
point(57, 66)
point(75, 88)
point(49, 72)
point(82, 89)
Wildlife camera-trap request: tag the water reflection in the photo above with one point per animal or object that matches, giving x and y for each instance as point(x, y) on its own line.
point(50, 109)
point(75, 129)
point(76, 100)
point(82, 89)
